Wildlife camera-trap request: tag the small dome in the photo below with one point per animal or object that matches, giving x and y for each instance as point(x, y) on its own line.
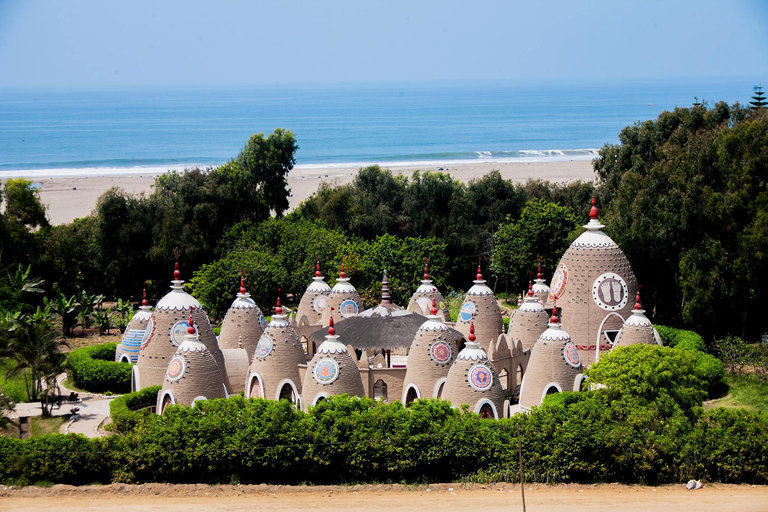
point(136, 332)
point(473, 380)
point(637, 328)
point(313, 302)
point(480, 304)
point(243, 324)
point(191, 374)
point(342, 298)
point(332, 371)
point(421, 300)
point(554, 366)
point(528, 321)
point(540, 288)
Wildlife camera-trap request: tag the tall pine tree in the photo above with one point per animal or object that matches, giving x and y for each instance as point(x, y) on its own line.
point(759, 99)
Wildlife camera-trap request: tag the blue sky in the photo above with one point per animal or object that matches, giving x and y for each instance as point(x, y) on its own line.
point(170, 43)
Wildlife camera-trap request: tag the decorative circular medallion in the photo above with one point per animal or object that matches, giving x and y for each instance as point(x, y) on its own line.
point(442, 306)
point(264, 347)
point(326, 371)
point(610, 292)
point(425, 304)
point(480, 377)
point(348, 307)
point(559, 283)
point(319, 303)
point(263, 322)
point(440, 352)
point(571, 355)
point(179, 331)
point(467, 311)
point(176, 369)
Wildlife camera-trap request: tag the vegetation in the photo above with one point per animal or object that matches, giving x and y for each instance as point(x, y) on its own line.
point(94, 369)
point(131, 409)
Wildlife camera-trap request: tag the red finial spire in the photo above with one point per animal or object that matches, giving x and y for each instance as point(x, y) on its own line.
point(191, 329)
point(554, 318)
point(539, 274)
point(331, 329)
point(638, 306)
point(479, 272)
point(144, 301)
point(278, 309)
point(530, 288)
point(342, 274)
point(472, 336)
point(317, 269)
point(426, 268)
point(593, 210)
point(177, 272)
point(242, 282)
point(433, 310)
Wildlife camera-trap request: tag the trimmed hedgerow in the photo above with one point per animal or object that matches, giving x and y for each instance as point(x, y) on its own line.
point(94, 369)
point(707, 366)
point(129, 410)
point(681, 338)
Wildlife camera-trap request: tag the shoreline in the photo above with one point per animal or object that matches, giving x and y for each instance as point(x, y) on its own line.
point(68, 197)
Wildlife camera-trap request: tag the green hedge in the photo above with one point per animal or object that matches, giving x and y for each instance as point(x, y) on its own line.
point(129, 410)
point(681, 338)
point(94, 369)
point(707, 365)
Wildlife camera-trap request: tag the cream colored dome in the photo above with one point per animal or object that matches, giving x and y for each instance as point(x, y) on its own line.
point(343, 299)
point(421, 300)
point(243, 324)
point(136, 333)
point(314, 300)
point(480, 304)
point(528, 321)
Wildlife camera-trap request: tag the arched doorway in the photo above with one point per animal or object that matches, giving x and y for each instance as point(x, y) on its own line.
point(256, 391)
point(411, 396)
point(380, 390)
point(167, 400)
point(486, 411)
point(440, 390)
point(286, 393)
point(551, 390)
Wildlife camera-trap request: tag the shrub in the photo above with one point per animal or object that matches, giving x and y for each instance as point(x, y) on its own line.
point(129, 410)
point(94, 369)
point(681, 338)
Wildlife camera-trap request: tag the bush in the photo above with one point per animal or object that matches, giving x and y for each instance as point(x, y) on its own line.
point(681, 338)
point(708, 367)
point(129, 410)
point(94, 369)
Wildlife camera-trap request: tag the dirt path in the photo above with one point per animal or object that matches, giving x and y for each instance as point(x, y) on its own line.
point(442, 497)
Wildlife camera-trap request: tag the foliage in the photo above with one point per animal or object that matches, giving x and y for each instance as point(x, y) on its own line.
point(13, 386)
point(70, 257)
point(6, 405)
point(758, 100)
point(680, 338)
point(687, 204)
point(94, 369)
point(744, 391)
point(708, 366)
point(66, 308)
point(741, 357)
point(129, 410)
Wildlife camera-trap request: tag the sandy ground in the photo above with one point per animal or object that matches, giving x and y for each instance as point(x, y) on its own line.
point(443, 497)
point(68, 198)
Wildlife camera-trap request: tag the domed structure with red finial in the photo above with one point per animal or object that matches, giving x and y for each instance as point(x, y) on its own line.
point(554, 366)
point(528, 321)
point(637, 329)
point(432, 352)
point(192, 373)
point(540, 288)
point(473, 380)
point(480, 307)
point(332, 371)
point(136, 332)
point(314, 300)
point(244, 322)
point(274, 370)
point(421, 300)
point(342, 298)
point(593, 284)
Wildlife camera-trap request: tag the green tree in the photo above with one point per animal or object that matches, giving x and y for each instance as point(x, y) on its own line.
point(23, 212)
point(758, 100)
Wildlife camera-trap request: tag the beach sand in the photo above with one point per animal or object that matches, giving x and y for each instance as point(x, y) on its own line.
point(68, 198)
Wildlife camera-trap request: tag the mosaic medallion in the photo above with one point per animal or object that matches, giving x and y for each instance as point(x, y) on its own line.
point(348, 307)
point(440, 352)
point(176, 369)
point(264, 347)
point(425, 304)
point(467, 311)
point(480, 377)
point(559, 283)
point(571, 355)
point(610, 292)
point(326, 371)
point(442, 306)
point(179, 331)
point(319, 303)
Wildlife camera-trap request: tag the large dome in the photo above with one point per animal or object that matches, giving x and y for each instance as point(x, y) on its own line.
point(312, 304)
point(480, 304)
point(136, 333)
point(593, 283)
point(421, 300)
point(243, 323)
point(528, 321)
point(343, 299)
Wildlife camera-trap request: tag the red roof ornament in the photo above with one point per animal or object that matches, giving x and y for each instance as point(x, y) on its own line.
point(539, 275)
point(472, 336)
point(144, 301)
point(638, 306)
point(317, 269)
point(426, 269)
point(278, 308)
point(433, 310)
point(331, 330)
point(342, 274)
point(479, 272)
point(177, 272)
point(593, 210)
point(554, 318)
point(242, 282)
point(530, 288)
point(191, 329)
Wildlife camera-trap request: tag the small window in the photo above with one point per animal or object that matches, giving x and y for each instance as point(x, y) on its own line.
point(380, 390)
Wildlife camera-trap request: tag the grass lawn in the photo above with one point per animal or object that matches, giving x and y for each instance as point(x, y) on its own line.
point(743, 391)
point(39, 426)
point(13, 387)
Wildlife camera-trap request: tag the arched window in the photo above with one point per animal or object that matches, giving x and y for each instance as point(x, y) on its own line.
point(551, 390)
point(256, 391)
point(411, 396)
point(486, 411)
point(167, 400)
point(286, 393)
point(380, 390)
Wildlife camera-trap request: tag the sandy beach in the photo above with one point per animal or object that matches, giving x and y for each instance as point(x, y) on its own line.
point(68, 198)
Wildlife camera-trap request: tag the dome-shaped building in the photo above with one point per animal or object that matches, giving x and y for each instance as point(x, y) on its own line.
point(169, 328)
point(192, 374)
point(421, 300)
point(637, 329)
point(473, 380)
point(593, 285)
point(554, 366)
point(540, 288)
point(136, 332)
point(342, 298)
point(332, 371)
point(243, 323)
point(431, 355)
point(528, 321)
point(312, 304)
point(274, 371)
point(480, 307)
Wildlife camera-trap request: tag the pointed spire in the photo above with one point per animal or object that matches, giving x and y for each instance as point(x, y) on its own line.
point(472, 336)
point(553, 319)
point(433, 309)
point(242, 282)
point(278, 308)
point(593, 210)
point(385, 289)
point(638, 306)
point(317, 269)
point(530, 288)
point(539, 275)
point(144, 301)
point(331, 329)
point(479, 271)
point(191, 329)
point(342, 274)
point(426, 269)
point(177, 272)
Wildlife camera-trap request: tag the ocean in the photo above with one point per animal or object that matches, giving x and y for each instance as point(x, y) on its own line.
point(80, 132)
